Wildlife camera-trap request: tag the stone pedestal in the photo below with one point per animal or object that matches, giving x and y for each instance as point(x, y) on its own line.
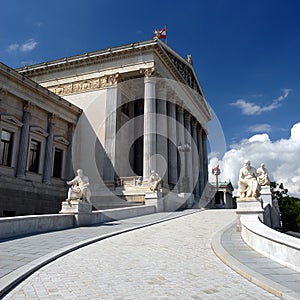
point(266, 196)
point(81, 210)
point(188, 199)
point(248, 206)
point(156, 199)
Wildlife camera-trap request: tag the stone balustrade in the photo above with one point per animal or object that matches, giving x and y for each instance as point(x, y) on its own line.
point(275, 245)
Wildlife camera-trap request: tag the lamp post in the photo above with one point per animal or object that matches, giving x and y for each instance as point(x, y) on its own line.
point(184, 149)
point(216, 171)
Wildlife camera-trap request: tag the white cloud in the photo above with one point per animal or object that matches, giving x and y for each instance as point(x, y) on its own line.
point(251, 108)
point(13, 47)
point(28, 45)
point(280, 157)
point(260, 128)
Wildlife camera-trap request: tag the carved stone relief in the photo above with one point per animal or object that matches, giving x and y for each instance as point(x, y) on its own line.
point(85, 85)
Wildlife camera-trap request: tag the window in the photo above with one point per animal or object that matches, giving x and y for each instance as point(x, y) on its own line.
point(6, 148)
point(57, 163)
point(34, 156)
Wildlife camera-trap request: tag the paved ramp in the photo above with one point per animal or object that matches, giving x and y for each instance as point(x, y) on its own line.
point(169, 260)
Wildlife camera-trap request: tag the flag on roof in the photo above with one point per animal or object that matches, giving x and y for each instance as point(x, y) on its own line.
point(160, 34)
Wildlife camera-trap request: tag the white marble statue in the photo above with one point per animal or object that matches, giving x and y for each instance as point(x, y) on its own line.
point(248, 184)
point(262, 176)
point(79, 187)
point(154, 180)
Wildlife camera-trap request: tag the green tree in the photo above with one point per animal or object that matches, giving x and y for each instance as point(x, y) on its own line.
point(289, 207)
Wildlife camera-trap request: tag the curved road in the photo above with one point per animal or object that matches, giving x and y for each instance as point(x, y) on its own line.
point(170, 260)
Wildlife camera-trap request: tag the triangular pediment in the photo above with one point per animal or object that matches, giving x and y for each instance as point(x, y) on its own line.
point(183, 67)
point(11, 120)
point(61, 140)
point(38, 130)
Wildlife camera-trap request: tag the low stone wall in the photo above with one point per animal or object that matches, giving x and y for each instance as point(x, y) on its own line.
point(25, 225)
point(102, 216)
point(275, 245)
point(19, 226)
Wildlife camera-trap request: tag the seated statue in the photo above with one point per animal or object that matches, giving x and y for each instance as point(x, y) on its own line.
point(248, 184)
point(79, 188)
point(262, 175)
point(154, 180)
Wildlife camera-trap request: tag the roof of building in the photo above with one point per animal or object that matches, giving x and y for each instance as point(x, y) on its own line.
point(182, 68)
point(43, 92)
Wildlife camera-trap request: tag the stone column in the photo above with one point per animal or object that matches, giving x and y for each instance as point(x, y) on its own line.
point(69, 173)
point(162, 134)
point(181, 143)
point(205, 158)
point(172, 147)
point(139, 130)
point(188, 154)
point(195, 158)
point(48, 163)
point(110, 134)
point(201, 168)
point(149, 123)
point(24, 140)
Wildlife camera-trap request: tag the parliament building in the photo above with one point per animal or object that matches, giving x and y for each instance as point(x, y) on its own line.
point(119, 114)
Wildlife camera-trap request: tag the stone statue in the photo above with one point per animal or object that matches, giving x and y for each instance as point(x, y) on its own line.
point(262, 175)
point(248, 184)
point(154, 180)
point(79, 187)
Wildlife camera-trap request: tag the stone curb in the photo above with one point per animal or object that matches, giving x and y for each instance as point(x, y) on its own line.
point(11, 280)
point(254, 277)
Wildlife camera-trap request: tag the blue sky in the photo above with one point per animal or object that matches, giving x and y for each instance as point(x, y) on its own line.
point(246, 53)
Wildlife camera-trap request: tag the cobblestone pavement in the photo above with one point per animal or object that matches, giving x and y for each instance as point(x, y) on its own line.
point(16, 253)
point(170, 260)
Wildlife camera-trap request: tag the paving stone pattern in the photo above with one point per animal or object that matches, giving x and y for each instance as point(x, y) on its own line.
point(288, 278)
point(170, 260)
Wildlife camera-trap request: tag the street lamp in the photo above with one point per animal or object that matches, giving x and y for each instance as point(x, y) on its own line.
point(216, 171)
point(184, 149)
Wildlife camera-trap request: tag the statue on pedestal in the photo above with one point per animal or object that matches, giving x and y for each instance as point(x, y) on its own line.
point(79, 188)
point(248, 184)
point(262, 176)
point(154, 180)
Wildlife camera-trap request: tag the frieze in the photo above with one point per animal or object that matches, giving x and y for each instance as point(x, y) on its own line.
point(86, 85)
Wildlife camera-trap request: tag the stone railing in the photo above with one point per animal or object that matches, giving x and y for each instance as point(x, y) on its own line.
point(275, 245)
point(19, 226)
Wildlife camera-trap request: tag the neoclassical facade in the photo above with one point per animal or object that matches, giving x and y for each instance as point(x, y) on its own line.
point(36, 128)
point(143, 110)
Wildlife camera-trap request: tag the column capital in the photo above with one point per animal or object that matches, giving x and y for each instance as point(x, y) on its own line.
point(71, 127)
point(148, 72)
point(51, 118)
point(180, 109)
point(113, 79)
point(194, 122)
point(187, 116)
point(3, 93)
point(28, 107)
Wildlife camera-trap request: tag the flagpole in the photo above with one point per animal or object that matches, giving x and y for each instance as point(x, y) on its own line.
point(166, 34)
